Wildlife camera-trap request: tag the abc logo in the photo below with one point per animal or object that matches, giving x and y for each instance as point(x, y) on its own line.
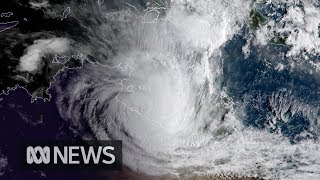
point(61, 155)
point(70, 155)
point(43, 152)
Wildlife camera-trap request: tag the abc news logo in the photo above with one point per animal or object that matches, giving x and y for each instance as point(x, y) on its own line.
point(106, 155)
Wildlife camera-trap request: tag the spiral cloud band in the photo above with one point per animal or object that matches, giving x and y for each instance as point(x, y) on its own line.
point(161, 93)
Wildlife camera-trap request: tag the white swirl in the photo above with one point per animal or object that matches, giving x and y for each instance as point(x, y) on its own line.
point(162, 97)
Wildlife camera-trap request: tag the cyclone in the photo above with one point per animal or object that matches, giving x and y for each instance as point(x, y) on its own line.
point(163, 93)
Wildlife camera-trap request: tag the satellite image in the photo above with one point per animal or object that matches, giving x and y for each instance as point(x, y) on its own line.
point(193, 89)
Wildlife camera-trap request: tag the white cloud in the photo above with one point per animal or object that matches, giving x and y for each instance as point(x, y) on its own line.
point(31, 60)
point(38, 5)
point(301, 24)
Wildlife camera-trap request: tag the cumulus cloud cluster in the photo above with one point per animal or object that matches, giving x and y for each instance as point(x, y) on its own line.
point(299, 26)
point(32, 59)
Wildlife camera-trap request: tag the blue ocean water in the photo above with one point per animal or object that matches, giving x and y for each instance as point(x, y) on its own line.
point(255, 79)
